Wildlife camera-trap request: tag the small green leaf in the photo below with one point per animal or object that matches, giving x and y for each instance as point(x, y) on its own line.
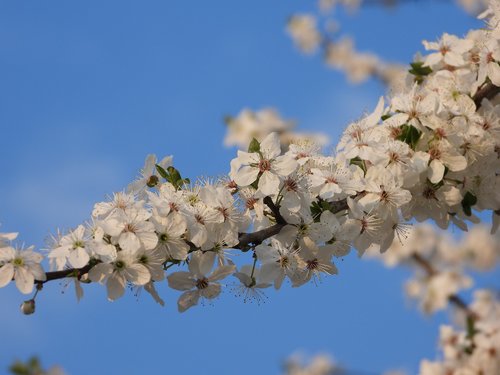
point(418, 69)
point(316, 211)
point(254, 146)
point(358, 162)
point(162, 172)
point(409, 135)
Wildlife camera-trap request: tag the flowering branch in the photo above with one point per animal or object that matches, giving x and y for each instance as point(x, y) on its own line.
point(454, 299)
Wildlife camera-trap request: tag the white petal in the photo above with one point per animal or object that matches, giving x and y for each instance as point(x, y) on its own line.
point(177, 226)
point(100, 271)
point(433, 59)
point(211, 291)
point(270, 146)
point(435, 172)
point(284, 165)
point(246, 175)
point(148, 239)
point(269, 272)
point(222, 272)
point(37, 272)
point(24, 280)
point(115, 286)
point(137, 274)
point(456, 163)
point(454, 59)
point(6, 274)
point(188, 299)
point(269, 183)
point(205, 264)
point(129, 242)
point(78, 290)
point(494, 73)
point(178, 249)
point(78, 258)
point(374, 118)
point(150, 288)
point(181, 281)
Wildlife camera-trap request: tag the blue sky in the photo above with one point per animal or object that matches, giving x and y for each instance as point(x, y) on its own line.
point(90, 88)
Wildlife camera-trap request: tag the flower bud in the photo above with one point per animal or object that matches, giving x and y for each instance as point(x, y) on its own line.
point(28, 307)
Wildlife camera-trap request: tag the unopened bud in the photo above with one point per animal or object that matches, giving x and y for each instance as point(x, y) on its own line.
point(152, 181)
point(28, 307)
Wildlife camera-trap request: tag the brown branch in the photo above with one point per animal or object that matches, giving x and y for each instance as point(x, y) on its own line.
point(488, 91)
point(258, 237)
point(275, 210)
point(75, 272)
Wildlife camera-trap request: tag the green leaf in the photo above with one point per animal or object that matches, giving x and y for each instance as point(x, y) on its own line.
point(174, 175)
point(409, 135)
point(359, 162)
point(316, 211)
point(162, 172)
point(254, 146)
point(467, 203)
point(418, 69)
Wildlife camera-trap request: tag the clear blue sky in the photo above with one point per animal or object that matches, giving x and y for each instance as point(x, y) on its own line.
point(88, 89)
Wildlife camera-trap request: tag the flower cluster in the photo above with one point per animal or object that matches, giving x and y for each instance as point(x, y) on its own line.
point(475, 349)
point(441, 262)
point(258, 124)
point(311, 32)
point(430, 153)
point(20, 265)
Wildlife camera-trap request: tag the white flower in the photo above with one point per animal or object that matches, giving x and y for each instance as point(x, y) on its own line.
point(278, 261)
point(450, 50)
point(22, 265)
point(384, 194)
point(199, 282)
point(335, 181)
point(71, 249)
point(254, 124)
point(303, 30)
point(122, 203)
point(131, 232)
point(443, 154)
point(413, 106)
point(124, 269)
point(251, 283)
point(170, 231)
point(267, 165)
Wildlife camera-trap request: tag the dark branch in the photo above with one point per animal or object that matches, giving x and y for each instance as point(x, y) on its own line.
point(75, 272)
point(257, 238)
point(488, 91)
point(275, 210)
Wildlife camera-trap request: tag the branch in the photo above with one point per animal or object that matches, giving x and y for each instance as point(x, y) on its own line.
point(76, 272)
point(258, 237)
point(488, 91)
point(275, 210)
